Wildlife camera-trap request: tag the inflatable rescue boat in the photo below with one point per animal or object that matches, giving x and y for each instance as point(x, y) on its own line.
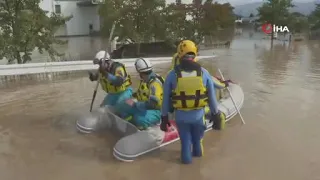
point(134, 142)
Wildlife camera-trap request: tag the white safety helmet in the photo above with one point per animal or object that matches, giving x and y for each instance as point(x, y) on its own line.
point(143, 65)
point(102, 54)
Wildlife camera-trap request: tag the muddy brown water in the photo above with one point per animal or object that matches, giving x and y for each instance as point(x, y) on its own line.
point(280, 141)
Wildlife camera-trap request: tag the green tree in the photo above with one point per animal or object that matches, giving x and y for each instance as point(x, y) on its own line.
point(175, 23)
point(297, 22)
point(25, 26)
point(217, 17)
point(209, 18)
point(135, 19)
point(251, 15)
point(314, 18)
point(275, 12)
point(142, 20)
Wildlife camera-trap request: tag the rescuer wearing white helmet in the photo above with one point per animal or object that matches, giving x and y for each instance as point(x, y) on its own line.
point(146, 111)
point(114, 79)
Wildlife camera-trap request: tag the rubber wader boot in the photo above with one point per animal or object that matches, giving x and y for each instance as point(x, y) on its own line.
point(219, 122)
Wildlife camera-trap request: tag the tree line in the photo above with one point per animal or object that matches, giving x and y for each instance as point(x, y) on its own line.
point(154, 20)
point(24, 26)
point(277, 12)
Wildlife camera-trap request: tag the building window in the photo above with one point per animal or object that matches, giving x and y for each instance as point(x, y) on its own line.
point(57, 9)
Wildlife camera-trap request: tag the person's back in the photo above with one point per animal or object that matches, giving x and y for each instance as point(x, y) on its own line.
point(198, 83)
point(175, 61)
point(189, 88)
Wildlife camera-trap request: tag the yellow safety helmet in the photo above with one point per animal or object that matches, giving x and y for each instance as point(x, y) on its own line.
point(187, 47)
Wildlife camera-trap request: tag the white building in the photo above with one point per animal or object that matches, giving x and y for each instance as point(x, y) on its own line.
point(85, 16)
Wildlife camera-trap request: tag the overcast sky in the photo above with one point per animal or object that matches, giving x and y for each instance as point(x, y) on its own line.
point(236, 2)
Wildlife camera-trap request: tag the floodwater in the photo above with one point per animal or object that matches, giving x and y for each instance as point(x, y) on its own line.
point(280, 140)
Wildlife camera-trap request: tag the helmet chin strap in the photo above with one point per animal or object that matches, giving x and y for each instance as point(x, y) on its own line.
point(108, 64)
point(140, 75)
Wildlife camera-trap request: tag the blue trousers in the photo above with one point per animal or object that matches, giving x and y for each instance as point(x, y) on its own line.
point(145, 119)
point(191, 135)
point(116, 99)
point(141, 119)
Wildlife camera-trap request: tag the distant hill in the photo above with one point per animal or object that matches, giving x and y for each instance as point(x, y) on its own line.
point(302, 7)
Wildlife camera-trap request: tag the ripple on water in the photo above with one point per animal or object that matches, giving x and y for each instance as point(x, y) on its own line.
point(279, 141)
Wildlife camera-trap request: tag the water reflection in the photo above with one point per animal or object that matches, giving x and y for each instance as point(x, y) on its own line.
point(314, 48)
point(279, 141)
point(273, 64)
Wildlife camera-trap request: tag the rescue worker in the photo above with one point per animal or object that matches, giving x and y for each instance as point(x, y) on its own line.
point(142, 92)
point(114, 80)
point(175, 59)
point(219, 86)
point(146, 111)
point(218, 83)
point(189, 88)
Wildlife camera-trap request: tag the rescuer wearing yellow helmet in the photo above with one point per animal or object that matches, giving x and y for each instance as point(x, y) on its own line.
point(190, 45)
point(114, 79)
point(189, 89)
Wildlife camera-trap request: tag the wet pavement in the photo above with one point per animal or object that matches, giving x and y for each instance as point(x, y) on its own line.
point(280, 141)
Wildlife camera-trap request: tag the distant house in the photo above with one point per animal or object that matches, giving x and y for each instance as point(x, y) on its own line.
point(238, 20)
point(85, 14)
point(246, 19)
point(250, 19)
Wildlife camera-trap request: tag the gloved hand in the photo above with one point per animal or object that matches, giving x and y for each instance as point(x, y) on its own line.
point(135, 95)
point(102, 70)
point(93, 76)
point(130, 102)
point(164, 123)
point(226, 82)
point(219, 120)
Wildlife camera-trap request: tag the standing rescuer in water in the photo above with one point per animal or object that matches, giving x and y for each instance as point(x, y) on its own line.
point(114, 80)
point(218, 83)
point(189, 88)
point(175, 58)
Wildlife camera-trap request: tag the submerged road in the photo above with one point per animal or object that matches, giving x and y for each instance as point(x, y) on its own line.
point(280, 140)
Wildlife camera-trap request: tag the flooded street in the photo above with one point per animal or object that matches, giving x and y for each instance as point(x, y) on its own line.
point(280, 140)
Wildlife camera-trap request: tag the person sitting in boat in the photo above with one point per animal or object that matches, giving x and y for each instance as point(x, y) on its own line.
point(189, 88)
point(113, 78)
point(146, 111)
point(142, 92)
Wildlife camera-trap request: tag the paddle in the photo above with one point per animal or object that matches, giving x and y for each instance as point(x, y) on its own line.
point(232, 99)
point(98, 80)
